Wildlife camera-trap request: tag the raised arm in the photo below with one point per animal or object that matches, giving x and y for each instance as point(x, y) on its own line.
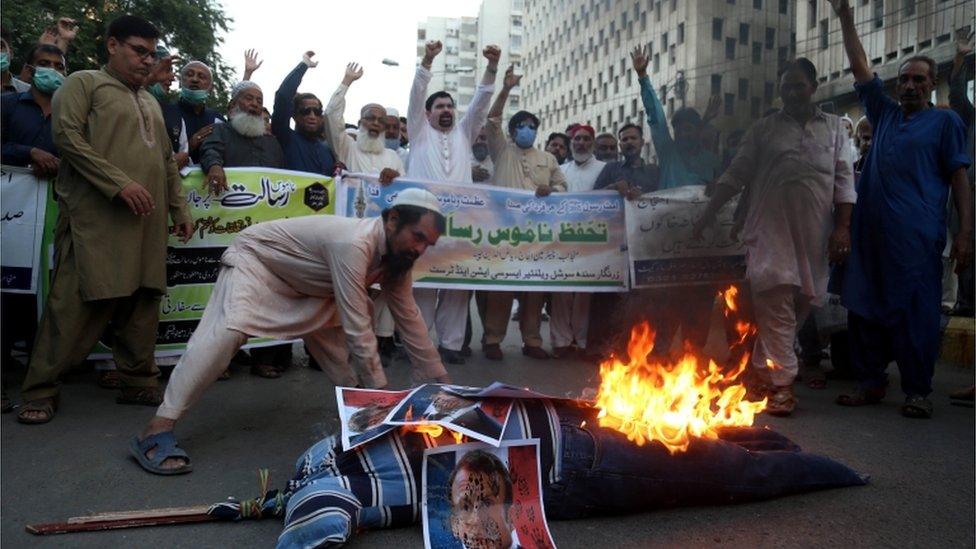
point(511, 80)
point(416, 111)
point(852, 43)
point(284, 97)
point(958, 98)
point(660, 134)
point(474, 117)
point(251, 63)
point(335, 122)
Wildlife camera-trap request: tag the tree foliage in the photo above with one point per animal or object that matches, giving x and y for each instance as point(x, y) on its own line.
point(191, 28)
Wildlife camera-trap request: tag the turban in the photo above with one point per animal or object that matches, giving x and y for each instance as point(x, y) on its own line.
point(584, 128)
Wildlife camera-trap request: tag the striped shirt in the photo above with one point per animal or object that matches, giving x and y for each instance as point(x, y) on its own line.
point(378, 485)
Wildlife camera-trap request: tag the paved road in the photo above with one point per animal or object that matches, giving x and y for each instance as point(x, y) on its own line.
point(921, 495)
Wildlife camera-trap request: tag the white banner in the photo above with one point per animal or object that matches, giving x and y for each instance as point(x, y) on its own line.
point(662, 250)
point(22, 203)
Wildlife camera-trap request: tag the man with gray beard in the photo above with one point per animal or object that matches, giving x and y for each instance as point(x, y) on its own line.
point(243, 142)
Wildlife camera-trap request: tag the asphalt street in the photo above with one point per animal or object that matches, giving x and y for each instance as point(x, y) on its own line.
point(921, 493)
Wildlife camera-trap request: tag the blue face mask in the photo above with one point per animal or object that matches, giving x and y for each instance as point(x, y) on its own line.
point(47, 80)
point(195, 97)
point(4, 61)
point(157, 91)
point(392, 143)
point(524, 136)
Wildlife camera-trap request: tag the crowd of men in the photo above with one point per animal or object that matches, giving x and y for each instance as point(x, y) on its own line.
point(821, 200)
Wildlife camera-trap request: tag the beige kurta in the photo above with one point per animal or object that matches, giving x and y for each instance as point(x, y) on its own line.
point(109, 136)
point(520, 168)
point(306, 273)
point(345, 146)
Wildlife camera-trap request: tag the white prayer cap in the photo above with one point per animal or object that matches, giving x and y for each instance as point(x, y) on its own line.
point(390, 111)
point(418, 197)
point(367, 106)
point(197, 63)
point(241, 86)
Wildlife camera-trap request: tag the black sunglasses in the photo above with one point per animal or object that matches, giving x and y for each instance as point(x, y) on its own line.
point(317, 111)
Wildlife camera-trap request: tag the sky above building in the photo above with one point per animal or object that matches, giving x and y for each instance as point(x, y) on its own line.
point(339, 32)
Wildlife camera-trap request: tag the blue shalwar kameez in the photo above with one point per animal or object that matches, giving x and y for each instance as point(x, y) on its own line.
point(892, 279)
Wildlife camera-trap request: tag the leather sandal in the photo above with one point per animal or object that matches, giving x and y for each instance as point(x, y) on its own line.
point(782, 401)
point(46, 406)
point(861, 397)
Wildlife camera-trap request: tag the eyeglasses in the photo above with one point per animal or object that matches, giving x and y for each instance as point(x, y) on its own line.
point(317, 111)
point(142, 52)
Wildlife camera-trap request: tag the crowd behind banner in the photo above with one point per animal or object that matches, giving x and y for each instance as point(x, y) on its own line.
point(580, 230)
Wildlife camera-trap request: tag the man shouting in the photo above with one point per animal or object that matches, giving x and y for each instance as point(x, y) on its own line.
point(306, 278)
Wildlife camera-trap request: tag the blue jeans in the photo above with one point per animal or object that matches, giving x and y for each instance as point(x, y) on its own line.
point(602, 473)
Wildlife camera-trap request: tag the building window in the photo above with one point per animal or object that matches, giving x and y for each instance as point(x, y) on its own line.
point(716, 29)
point(743, 33)
point(730, 48)
point(878, 14)
point(716, 84)
point(768, 92)
point(782, 54)
point(743, 87)
point(657, 11)
point(757, 4)
point(633, 107)
point(681, 33)
point(664, 42)
point(421, 34)
point(729, 104)
point(754, 106)
point(672, 55)
point(824, 28)
point(784, 7)
point(770, 38)
point(657, 62)
point(756, 53)
point(811, 14)
point(908, 7)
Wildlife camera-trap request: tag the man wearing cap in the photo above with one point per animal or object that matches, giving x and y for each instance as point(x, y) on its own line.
point(394, 135)
point(367, 153)
point(569, 321)
point(303, 146)
point(440, 151)
point(306, 277)
point(196, 82)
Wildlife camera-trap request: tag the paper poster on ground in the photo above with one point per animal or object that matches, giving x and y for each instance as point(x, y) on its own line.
point(476, 495)
point(506, 239)
point(662, 249)
point(481, 419)
point(362, 411)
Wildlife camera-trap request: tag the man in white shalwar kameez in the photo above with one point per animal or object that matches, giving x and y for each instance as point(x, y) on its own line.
point(441, 151)
point(306, 277)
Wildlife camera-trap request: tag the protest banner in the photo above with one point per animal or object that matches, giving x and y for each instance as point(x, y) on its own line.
point(465, 489)
point(507, 239)
point(362, 413)
point(254, 195)
point(661, 247)
point(482, 419)
point(23, 198)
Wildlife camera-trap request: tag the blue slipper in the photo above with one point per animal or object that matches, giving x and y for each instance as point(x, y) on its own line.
point(165, 445)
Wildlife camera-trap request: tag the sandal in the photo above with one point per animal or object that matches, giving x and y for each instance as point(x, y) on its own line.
point(917, 406)
point(861, 397)
point(46, 406)
point(817, 383)
point(141, 396)
point(165, 445)
point(782, 402)
point(108, 379)
point(266, 371)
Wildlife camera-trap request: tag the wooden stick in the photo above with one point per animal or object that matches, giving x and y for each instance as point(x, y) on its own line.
point(125, 519)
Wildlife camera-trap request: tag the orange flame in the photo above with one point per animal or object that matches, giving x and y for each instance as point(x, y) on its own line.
point(647, 399)
point(424, 428)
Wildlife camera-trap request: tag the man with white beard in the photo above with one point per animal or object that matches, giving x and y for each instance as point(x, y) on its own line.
point(368, 152)
point(441, 151)
point(569, 321)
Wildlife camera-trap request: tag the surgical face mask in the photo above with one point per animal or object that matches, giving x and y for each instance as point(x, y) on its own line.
point(157, 91)
point(480, 151)
point(195, 97)
point(4, 61)
point(524, 136)
point(392, 143)
point(47, 80)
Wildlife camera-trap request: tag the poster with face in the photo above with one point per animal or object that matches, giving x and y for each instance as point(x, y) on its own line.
point(477, 496)
point(362, 411)
point(482, 419)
